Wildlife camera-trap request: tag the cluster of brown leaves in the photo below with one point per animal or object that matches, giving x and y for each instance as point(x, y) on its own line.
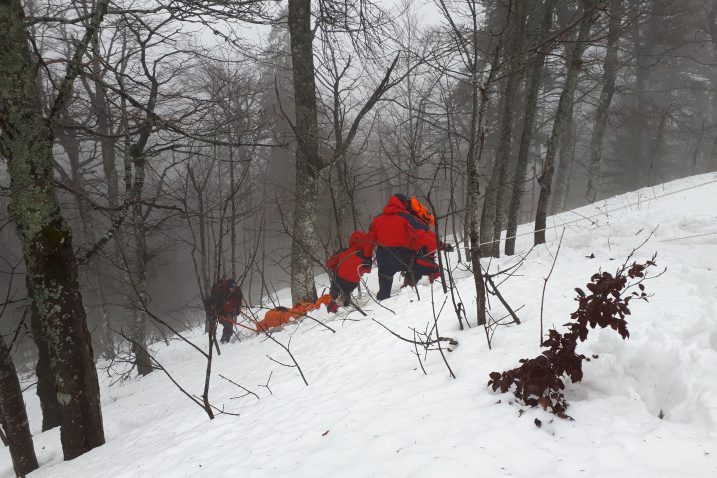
point(539, 381)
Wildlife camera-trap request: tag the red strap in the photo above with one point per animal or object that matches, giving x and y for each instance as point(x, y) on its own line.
point(228, 320)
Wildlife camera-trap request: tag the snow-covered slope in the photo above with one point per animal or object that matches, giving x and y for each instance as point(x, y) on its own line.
point(369, 410)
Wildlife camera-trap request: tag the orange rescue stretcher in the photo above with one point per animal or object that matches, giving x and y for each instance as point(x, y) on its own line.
point(281, 315)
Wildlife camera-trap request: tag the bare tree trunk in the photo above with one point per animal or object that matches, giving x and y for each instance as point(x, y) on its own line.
point(517, 30)
point(308, 163)
point(468, 211)
point(561, 115)
point(608, 89)
point(712, 29)
point(479, 107)
point(51, 413)
point(136, 160)
point(652, 178)
point(698, 145)
point(101, 109)
point(638, 164)
point(565, 161)
point(233, 210)
point(535, 80)
point(477, 140)
point(344, 199)
point(14, 416)
point(478, 114)
point(71, 143)
point(203, 266)
point(487, 217)
point(571, 167)
point(138, 326)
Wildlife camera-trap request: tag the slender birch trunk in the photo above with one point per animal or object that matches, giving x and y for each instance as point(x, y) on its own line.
point(561, 115)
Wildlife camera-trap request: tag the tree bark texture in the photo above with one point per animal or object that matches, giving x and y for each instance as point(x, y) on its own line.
point(138, 328)
point(503, 16)
point(503, 155)
point(561, 116)
point(643, 38)
point(51, 413)
point(608, 89)
point(479, 108)
point(565, 161)
point(3, 437)
point(14, 417)
point(142, 359)
point(27, 141)
point(101, 108)
point(535, 80)
point(308, 163)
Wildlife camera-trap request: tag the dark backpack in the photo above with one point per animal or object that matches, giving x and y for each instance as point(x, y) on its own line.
point(220, 292)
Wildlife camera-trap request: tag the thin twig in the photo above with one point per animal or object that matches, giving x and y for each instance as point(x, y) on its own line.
point(545, 284)
point(240, 386)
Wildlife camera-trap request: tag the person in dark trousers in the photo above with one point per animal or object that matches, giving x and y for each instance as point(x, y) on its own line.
point(396, 235)
point(424, 260)
point(224, 304)
point(346, 268)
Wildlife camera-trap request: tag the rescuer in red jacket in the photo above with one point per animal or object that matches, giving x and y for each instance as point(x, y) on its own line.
point(347, 266)
point(424, 261)
point(224, 304)
point(396, 235)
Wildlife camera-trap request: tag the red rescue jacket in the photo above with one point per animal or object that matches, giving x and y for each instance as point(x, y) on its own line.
point(396, 227)
point(223, 301)
point(232, 305)
point(350, 263)
point(428, 241)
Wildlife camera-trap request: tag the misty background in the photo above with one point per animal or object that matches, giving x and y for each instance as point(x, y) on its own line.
point(211, 104)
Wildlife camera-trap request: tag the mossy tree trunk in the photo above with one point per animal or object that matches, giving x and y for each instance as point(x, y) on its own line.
point(27, 141)
point(51, 414)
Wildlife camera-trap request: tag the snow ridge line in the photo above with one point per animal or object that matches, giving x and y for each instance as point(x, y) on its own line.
point(603, 213)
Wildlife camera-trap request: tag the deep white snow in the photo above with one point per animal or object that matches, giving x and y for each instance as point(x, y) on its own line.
point(369, 411)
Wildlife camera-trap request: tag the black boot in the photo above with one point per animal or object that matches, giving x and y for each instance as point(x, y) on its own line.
point(226, 334)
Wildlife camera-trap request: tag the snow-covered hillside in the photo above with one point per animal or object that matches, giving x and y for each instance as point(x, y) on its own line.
point(369, 410)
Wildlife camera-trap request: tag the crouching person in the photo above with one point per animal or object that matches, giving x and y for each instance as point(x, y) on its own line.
point(424, 261)
point(346, 268)
point(424, 264)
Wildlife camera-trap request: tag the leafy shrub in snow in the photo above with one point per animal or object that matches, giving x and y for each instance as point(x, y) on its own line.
point(539, 381)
